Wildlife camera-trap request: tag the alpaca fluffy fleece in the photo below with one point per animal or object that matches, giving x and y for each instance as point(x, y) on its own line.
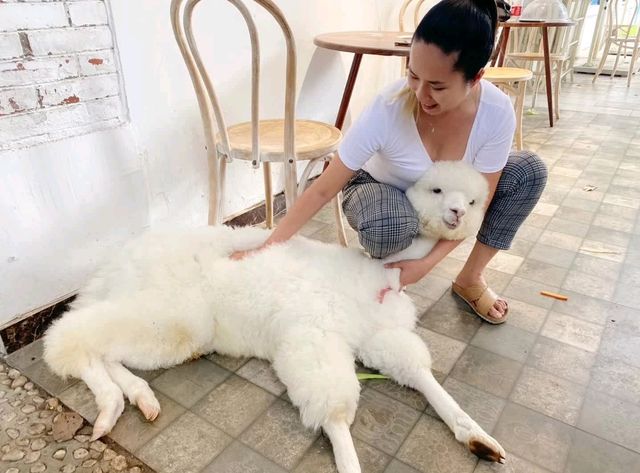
point(449, 200)
point(308, 307)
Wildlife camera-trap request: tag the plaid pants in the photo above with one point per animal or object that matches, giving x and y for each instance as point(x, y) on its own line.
point(386, 221)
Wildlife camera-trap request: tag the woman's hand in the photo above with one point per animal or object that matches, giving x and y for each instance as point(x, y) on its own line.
point(411, 270)
point(239, 255)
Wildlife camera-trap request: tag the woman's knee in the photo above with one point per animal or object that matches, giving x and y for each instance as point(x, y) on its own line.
point(525, 168)
point(382, 215)
point(388, 235)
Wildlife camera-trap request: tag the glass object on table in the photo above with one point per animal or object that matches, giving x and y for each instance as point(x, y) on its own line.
point(544, 10)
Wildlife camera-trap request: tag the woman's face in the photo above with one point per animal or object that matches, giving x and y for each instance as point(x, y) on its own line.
point(439, 88)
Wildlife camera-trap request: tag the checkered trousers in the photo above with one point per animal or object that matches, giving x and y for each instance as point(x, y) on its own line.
point(386, 221)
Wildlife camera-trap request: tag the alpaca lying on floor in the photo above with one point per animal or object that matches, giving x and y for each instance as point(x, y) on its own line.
point(308, 307)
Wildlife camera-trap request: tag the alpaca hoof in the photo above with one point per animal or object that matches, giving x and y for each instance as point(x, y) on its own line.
point(102, 426)
point(107, 418)
point(487, 448)
point(148, 405)
point(98, 432)
point(481, 444)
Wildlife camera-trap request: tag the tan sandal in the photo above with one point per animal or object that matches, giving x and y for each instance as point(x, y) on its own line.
point(480, 298)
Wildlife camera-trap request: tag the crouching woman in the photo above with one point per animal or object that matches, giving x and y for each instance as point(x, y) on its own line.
point(442, 111)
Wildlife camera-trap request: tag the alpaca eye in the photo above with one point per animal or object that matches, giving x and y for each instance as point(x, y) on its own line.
point(472, 202)
point(437, 190)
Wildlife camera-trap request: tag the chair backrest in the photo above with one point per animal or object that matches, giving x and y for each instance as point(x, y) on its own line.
point(623, 20)
point(415, 9)
point(212, 117)
point(577, 12)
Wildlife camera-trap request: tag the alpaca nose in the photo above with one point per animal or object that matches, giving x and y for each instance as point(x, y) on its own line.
point(458, 212)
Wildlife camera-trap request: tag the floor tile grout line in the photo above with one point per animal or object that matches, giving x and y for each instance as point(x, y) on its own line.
point(188, 410)
point(180, 403)
point(137, 451)
point(255, 420)
point(234, 440)
point(397, 450)
point(420, 412)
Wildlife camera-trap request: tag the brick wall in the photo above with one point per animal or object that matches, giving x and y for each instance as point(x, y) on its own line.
point(58, 73)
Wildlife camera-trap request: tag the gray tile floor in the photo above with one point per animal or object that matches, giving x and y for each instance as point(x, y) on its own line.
point(558, 385)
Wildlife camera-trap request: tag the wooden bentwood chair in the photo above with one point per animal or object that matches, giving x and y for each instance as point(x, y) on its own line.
point(260, 141)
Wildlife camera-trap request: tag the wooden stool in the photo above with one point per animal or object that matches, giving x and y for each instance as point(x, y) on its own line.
point(512, 80)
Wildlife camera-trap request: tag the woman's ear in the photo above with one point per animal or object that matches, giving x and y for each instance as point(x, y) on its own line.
point(478, 76)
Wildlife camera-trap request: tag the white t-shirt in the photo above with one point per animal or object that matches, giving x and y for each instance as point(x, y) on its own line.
point(384, 140)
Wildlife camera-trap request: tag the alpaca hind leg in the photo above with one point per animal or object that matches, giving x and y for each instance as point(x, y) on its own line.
point(403, 355)
point(108, 397)
point(136, 389)
point(342, 444)
point(318, 370)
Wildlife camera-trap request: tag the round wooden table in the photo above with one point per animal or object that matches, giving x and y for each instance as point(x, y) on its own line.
point(544, 25)
point(380, 43)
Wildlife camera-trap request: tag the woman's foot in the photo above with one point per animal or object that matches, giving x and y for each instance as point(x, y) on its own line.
point(486, 303)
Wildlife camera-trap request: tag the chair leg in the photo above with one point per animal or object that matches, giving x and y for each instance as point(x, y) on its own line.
point(519, 108)
point(268, 195)
point(556, 91)
point(634, 57)
point(536, 85)
point(222, 182)
point(290, 182)
point(337, 209)
point(615, 64)
point(337, 201)
point(216, 188)
point(603, 59)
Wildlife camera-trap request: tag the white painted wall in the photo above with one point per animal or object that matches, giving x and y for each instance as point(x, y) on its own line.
point(63, 203)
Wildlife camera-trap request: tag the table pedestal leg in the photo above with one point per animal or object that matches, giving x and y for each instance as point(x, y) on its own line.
point(498, 48)
point(503, 45)
point(348, 89)
point(547, 72)
point(346, 95)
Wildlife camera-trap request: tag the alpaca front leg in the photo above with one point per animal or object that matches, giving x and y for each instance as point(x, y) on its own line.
point(318, 370)
point(420, 246)
point(403, 355)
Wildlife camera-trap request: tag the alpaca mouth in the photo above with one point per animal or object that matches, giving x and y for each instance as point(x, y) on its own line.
point(449, 225)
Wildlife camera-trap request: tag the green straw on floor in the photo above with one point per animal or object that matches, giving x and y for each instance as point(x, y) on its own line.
point(365, 376)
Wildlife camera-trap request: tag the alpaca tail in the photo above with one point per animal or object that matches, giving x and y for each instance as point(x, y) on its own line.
point(343, 449)
point(68, 349)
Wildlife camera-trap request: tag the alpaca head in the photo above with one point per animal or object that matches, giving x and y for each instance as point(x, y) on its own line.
point(449, 199)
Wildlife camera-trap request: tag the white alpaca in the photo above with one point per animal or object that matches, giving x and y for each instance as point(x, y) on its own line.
point(308, 307)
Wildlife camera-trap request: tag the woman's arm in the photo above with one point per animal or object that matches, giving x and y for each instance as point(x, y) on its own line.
point(327, 186)
point(492, 179)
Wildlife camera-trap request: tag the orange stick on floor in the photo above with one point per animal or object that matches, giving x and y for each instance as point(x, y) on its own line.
point(553, 295)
